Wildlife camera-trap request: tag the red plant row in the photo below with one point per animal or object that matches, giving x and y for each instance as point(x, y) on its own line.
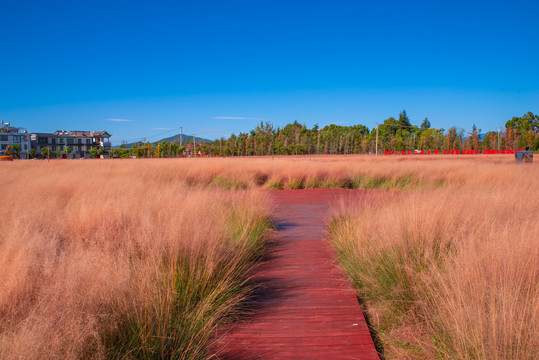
point(451, 152)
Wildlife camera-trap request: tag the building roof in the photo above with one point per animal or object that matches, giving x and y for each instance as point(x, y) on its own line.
point(75, 133)
point(101, 133)
point(80, 133)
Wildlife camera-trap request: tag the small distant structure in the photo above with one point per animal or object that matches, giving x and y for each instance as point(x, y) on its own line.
point(78, 142)
point(524, 156)
point(18, 136)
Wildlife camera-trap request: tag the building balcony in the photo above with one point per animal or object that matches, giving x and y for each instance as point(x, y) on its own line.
point(88, 145)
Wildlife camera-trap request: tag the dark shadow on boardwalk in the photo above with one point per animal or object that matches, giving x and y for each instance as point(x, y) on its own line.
point(265, 290)
point(282, 225)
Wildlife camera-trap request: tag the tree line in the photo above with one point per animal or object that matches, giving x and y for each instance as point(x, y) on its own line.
point(394, 134)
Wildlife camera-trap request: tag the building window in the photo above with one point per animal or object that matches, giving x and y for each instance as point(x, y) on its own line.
point(53, 148)
point(79, 141)
point(4, 146)
point(24, 146)
point(16, 139)
point(3, 137)
point(70, 141)
point(60, 141)
point(88, 141)
point(41, 140)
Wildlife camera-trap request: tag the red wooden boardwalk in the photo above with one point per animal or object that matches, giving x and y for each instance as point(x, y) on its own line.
point(304, 308)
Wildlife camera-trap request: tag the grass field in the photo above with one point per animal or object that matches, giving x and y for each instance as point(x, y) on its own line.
point(144, 258)
point(450, 272)
point(119, 260)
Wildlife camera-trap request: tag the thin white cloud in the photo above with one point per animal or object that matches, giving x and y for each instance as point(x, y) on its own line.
point(236, 118)
point(119, 120)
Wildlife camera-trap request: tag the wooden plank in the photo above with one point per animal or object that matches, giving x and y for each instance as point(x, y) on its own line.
point(304, 307)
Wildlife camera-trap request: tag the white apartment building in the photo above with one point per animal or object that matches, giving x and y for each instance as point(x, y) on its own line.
point(71, 144)
point(15, 138)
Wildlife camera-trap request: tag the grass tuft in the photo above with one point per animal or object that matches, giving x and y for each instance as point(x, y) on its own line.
point(295, 183)
point(229, 184)
point(275, 184)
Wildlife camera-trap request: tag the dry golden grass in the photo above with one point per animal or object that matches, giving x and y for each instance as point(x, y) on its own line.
point(356, 171)
point(141, 258)
point(451, 272)
point(118, 259)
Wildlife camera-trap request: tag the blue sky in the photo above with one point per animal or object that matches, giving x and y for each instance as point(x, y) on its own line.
point(218, 67)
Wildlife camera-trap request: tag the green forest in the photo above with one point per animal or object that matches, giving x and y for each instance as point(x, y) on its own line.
point(393, 134)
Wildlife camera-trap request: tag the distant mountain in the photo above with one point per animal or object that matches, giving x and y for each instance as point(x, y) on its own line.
point(174, 138)
point(185, 138)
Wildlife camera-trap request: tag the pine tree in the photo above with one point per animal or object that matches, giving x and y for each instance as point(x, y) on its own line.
point(425, 124)
point(403, 122)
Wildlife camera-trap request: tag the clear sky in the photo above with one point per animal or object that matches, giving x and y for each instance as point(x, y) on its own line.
point(221, 67)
